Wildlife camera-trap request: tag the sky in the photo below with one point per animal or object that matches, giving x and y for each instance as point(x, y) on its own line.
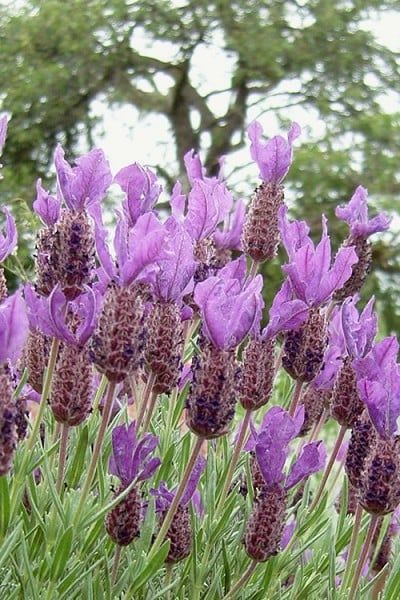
point(127, 137)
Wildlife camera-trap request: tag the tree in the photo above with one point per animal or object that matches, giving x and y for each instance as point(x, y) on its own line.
point(56, 58)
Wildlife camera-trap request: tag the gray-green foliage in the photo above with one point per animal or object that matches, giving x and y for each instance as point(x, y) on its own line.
point(56, 58)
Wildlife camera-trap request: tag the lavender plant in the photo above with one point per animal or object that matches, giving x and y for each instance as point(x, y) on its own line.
point(157, 344)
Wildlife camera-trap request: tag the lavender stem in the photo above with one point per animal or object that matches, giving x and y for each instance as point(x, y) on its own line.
point(244, 578)
point(329, 466)
point(353, 543)
point(62, 456)
point(295, 398)
point(364, 553)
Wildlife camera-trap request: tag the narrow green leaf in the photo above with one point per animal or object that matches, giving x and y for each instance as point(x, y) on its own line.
point(150, 569)
point(61, 555)
point(4, 505)
point(77, 466)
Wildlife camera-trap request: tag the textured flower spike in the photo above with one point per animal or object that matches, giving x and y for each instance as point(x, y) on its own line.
point(174, 279)
point(271, 446)
point(355, 213)
point(131, 461)
point(261, 231)
point(357, 333)
point(141, 188)
point(231, 308)
point(180, 531)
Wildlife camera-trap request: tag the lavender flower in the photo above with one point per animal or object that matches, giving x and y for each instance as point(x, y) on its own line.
point(131, 461)
point(355, 213)
point(8, 242)
point(141, 188)
point(230, 307)
point(271, 447)
point(180, 531)
point(261, 232)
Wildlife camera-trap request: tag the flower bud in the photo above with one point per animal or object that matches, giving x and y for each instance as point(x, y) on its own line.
point(180, 535)
point(362, 440)
point(261, 230)
point(210, 405)
point(379, 493)
point(265, 526)
point(123, 521)
point(304, 348)
point(257, 376)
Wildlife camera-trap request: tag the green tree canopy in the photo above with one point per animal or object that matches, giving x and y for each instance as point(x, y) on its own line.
point(57, 58)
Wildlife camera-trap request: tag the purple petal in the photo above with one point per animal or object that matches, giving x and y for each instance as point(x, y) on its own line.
point(8, 241)
point(88, 306)
point(146, 240)
point(141, 188)
point(275, 157)
point(288, 533)
point(47, 207)
point(193, 480)
point(123, 444)
point(3, 131)
point(87, 182)
point(231, 236)
point(100, 235)
point(294, 234)
point(194, 168)
point(57, 310)
point(355, 213)
point(338, 274)
point(149, 469)
point(13, 327)
point(375, 398)
point(311, 460)
point(285, 314)
point(178, 202)
point(209, 202)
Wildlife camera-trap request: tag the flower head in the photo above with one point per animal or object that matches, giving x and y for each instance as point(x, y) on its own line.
point(86, 183)
point(313, 276)
point(355, 213)
point(141, 188)
point(275, 157)
point(230, 305)
point(131, 458)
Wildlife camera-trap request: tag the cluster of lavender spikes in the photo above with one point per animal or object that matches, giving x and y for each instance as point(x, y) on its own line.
point(129, 313)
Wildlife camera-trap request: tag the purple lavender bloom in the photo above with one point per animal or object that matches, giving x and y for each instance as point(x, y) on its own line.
point(164, 496)
point(46, 206)
point(13, 327)
point(271, 446)
point(135, 247)
point(48, 315)
point(131, 458)
point(209, 202)
point(178, 202)
point(8, 241)
point(3, 131)
point(230, 306)
point(275, 157)
point(311, 273)
point(288, 533)
point(176, 264)
point(355, 213)
point(86, 183)
point(195, 169)
point(286, 313)
point(230, 237)
point(141, 188)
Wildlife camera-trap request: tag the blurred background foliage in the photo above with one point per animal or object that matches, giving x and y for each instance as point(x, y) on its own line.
point(58, 58)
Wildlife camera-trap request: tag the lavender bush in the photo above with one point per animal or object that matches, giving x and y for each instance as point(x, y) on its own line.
point(138, 458)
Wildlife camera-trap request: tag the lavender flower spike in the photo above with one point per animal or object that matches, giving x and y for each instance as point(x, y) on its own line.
point(131, 461)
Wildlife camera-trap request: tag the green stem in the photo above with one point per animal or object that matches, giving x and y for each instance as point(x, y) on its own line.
point(363, 556)
point(240, 583)
point(177, 498)
point(62, 456)
point(99, 393)
point(97, 447)
point(145, 399)
point(117, 557)
point(170, 416)
point(329, 466)
point(353, 543)
point(295, 398)
point(233, 462)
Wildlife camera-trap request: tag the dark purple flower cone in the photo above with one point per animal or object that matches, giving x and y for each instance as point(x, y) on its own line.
point(346, 405)
point(210, 405)
point(116, 347)
point(379, 492)
point(180, 535)
point(314, 402)
point(65, 255)
point(304, 349)
point(71, 395)
point(360, 270)
point(164, 345)
point(21, 417)
point(123, 521)
point(257, 377)
point(256, 477)
point(3, 286)
point(8, 428)
point(35, 357)
point(266, 523)
point(261, 230)
point(362, 441)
